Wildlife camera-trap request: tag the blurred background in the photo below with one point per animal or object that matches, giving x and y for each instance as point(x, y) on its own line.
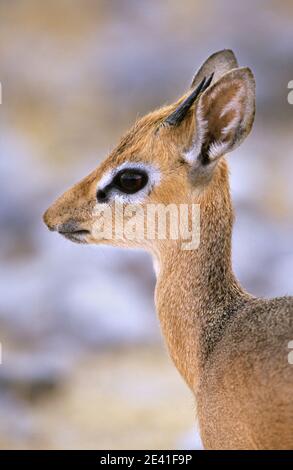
point(84, 365)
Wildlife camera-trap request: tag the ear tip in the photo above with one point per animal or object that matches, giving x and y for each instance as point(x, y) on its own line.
point(227, 51)
point(243, 73)
point(247, 74)
point(228, 55)
point(219, 62)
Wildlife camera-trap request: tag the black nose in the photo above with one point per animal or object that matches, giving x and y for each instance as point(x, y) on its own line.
point(67, 227)
point(71, 227)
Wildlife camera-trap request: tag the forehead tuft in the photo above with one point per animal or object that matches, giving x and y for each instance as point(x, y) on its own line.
point(140, 134)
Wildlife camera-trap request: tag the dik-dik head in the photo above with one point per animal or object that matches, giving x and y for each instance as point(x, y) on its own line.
point(170, 156)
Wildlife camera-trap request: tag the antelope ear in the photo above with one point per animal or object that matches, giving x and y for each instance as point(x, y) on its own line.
point(224, 116)
point(218, 63)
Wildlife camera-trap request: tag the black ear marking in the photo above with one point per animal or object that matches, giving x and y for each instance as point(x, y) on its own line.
point(180, 112)
point(204, 155)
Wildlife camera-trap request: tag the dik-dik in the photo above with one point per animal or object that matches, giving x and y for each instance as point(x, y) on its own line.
point(230, 347)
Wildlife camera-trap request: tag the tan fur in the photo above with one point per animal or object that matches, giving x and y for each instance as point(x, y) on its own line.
point(230, 347)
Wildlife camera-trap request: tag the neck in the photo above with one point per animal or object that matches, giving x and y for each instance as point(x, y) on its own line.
point(197, 294)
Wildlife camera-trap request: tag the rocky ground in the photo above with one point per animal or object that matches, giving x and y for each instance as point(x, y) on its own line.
point(119, 399)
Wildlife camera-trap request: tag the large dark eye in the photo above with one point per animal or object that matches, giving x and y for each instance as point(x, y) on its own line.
point(130, 181)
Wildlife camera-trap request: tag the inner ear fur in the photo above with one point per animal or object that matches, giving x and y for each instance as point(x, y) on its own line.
point(224, 116)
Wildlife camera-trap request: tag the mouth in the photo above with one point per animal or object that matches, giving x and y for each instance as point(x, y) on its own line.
point(77, 236)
